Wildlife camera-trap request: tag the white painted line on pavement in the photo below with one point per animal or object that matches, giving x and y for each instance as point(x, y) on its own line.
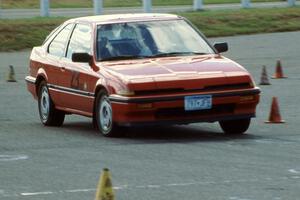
point(152, 186)
point(180, 184)
point(35, 193)
point(69, 191)
point(294, 171)
point(6, 158)
point(274, 141)
point(120, 187)
point(238, 198)
point(79, 190)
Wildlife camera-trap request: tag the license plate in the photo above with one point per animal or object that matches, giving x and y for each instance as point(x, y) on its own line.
point(199, 102)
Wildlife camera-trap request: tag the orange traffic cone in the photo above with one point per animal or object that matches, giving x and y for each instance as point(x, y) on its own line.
point(264, 80)
point(278, 72)
point(274, 116)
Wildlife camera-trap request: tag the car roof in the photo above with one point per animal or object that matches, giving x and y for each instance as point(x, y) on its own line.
point(116, 18)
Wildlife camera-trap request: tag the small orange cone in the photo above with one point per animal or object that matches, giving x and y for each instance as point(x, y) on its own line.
point(274, 116)
point(278, 72)
point(104, 189)
point(264, 80)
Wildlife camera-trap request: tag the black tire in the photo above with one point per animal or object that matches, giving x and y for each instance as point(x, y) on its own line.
point(103, 116)
point(235, 127)
point(49, 115)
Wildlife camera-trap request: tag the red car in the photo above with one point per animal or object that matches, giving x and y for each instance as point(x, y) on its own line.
point(139, 69)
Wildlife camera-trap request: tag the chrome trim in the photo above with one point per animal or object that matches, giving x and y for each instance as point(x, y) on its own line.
point(71, 90)
point(30, 79)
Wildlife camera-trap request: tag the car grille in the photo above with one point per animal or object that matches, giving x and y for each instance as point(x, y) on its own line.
point(229, 86)
point(206, 88)
point(169, 113)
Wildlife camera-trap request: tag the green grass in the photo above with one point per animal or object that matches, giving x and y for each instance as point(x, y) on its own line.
point(26, 33)
point(108, 3)
point(245, 21)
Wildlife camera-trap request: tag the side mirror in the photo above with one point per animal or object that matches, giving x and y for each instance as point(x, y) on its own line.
point(221, 47)
point(81, 57)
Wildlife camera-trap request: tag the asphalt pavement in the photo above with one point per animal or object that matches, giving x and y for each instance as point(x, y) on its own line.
point(163, 163)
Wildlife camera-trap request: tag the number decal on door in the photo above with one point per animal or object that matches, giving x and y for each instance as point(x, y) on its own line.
point(75, 80)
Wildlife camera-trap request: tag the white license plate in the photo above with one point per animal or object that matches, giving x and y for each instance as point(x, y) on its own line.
point(199, 102)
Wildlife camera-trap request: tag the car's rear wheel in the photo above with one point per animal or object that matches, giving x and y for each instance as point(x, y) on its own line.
point(103, 116)
point(49, 115)
point(235, 127)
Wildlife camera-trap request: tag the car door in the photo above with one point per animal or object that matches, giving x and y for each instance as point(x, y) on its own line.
point(79, 79)
point(56, 50)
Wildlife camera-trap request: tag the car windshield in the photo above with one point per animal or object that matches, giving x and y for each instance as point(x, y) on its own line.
point(149, 39)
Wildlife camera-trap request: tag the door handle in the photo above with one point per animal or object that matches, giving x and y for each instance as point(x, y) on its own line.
point(62, 68)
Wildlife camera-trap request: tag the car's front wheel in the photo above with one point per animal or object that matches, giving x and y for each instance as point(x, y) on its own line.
point(49, 115)
point(103, 116)
point(235, 127)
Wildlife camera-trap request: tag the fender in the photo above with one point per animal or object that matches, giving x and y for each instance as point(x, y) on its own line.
point(41, 73)
point(101, 83)
point(32, 82)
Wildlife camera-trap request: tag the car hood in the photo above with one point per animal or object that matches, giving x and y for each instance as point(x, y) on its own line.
point(190, 72)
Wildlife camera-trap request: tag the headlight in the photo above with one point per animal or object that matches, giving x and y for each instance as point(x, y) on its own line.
point(252, 83)
point(125, 93)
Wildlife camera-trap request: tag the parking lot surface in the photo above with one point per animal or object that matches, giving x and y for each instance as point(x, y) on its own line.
point(164, 163)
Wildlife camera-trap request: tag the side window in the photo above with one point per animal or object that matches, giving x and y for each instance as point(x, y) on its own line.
point(52, 33)
point(57, 46)
point(81, 40)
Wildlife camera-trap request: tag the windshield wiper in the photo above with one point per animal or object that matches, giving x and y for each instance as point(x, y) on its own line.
point(122, 57)
point(177, 54)
point(125, 57)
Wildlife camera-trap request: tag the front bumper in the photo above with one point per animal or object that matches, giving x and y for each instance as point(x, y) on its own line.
point(31, 86)
point(228, 105)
